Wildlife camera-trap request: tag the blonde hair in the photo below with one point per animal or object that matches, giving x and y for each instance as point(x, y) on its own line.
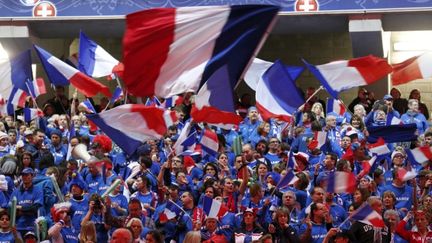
point(128, 225)
point(318, 105)
point(88, 232)
point(193, 237)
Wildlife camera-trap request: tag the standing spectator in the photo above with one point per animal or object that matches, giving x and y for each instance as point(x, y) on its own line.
point(363, 99)
point(62, 230)
point(400, 104)
point(280, 229)
point(414, 115)
point(8, 233)
point(88, 233)
point(415, 94)
point(29, 200)
point(422, 234)
point(95, 214)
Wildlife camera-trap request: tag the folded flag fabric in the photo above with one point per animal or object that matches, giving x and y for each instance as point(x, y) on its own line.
point(209, 142)
point(336, 106)
point(341, 182)
point(393, 133)
point(61, 73)
point(259, 67)
point(417, 67)
point(288, 179)
point(271, 98)
point(14, 73)
point(36, 87)
point(420, 155)
point(213, 208)
point(379, 148)
point(367, 215)
point(342, 75)
point(168, 51)
point(214, 103)
point(95, 61)
point(406, 175)
point(31, 113)
point(132, 124)
point(171, 211)
point(153, 101)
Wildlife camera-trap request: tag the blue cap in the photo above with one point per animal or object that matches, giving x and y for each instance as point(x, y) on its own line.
point(56, 132)
point(388, 97)
point(252, 108)
point(27, 170)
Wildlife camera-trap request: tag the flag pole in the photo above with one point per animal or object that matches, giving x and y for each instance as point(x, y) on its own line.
point(310, 97)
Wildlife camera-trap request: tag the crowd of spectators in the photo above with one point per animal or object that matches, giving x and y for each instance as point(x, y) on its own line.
point(60, 193)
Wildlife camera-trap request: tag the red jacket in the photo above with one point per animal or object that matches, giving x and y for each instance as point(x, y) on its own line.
point(412, 236)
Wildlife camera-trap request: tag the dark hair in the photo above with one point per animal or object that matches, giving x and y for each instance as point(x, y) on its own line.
point(146, 160)
point(157, 236)
point(136, 201)
point(214, 167)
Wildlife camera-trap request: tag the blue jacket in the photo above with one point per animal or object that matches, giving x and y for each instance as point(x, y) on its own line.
point(418, 118)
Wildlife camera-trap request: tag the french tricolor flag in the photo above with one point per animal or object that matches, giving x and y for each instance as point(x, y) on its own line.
point(341, 182)
point(214, 103)
point(61, 73)
point(87, 106)
point(342, 75)
point(171, 211)
point(367, 215)
point(406, 175)
point(417, 67)
point(379, 147)
point(420, 155)
point(94, 61)
point(186, 142)
point(368, 164)
point(172, 101)
point(117, 94)
point(288, 179)
point(209, 142)
point(16, 99)
point(36, 87)
point(131, 124)
point(318, 140)
point(30, 114)
point(271, 98)
point(168, 51)
point(336, 106)
point(213, 208)
point(14, 73)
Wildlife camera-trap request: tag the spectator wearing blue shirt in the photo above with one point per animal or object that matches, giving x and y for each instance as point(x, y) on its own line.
point(315, 229)
point(249, 127)
point(413, 115)
point(8, 234)
point(57, 148)
point(29, 200)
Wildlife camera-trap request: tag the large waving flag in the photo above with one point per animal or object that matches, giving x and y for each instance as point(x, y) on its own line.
point(131, 124)
point(214, 102)
point(14, 73)
point(172, 101)
point(95, 61)
point(406, 175)
point(36, 87)
point(259, 67)
point(367, 215)
point(272, 100)
point(418, 67)
point(168, 51)
point(61, 73)
point(341, 182)
point(342, 75)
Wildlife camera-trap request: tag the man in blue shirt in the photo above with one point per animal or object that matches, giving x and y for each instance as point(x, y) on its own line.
point(29, 200)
